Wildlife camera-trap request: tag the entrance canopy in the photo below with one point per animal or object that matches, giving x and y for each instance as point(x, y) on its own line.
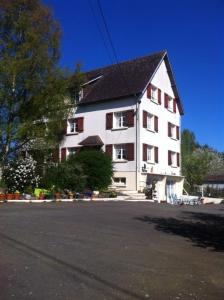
point(91, 141)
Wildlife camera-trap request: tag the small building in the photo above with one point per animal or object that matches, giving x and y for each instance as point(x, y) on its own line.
point(132, 111)
point(214, 181)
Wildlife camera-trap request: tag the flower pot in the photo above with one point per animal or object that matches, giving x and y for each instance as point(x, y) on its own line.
point(17, 196)
point(57, 195)
point(9, 196)
point(2, 197)
point(41, 196)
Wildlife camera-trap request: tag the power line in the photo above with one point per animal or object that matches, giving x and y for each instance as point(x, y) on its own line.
point(111, 43)
point(107, 31)
point(100, 31)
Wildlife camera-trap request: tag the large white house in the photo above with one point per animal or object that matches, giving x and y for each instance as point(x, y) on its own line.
point(132, 111)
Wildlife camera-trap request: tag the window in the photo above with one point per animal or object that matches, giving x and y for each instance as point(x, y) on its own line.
point(173, 159)
point(119, 181)
point(150, 121)
point(120, 152)
point(120, 119)
point(150, 154)
point(170, 103)
point(173, 127)
point(173, 131)
point(71, 151)
point(75, 125)
point(72, 126)
point(154, 93)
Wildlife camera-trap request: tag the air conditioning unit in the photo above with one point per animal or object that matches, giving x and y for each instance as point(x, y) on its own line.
point(144, 168)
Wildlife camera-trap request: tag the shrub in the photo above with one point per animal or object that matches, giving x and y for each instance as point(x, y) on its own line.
point(20, 174)
point(97, 166)
point(65, 176)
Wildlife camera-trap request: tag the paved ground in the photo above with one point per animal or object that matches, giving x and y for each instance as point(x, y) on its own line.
point(111, 251)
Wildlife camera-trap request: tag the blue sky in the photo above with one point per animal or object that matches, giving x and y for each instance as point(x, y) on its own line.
point(191, 31)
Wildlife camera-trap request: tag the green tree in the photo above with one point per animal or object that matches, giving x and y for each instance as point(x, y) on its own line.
point(195, 167)
point(32, 87)
point(97, 166)
point(188, 143)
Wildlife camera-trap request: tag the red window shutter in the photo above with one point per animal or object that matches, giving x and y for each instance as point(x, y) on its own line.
point(156, 154)
point(149, 91)
point(145, 114)
point(174, 105)
point(144, 153)
point(159, 96)
point(130, 151)
point(169, 158)
point(79, 124)
point(63, 154)
point(109, 150)
point(109, 121)
point(169, 129)
point(166, 100)
point(156, 123)
point(130, 118)
point(177, 132)
point(178, 159)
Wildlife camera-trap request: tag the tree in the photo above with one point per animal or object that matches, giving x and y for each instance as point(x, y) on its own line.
point(188, 143)
point(97, 166)
point(32, 87)
point(195, 167)
point(20, 175)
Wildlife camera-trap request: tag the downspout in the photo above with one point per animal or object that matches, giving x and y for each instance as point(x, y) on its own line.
point(136, 141)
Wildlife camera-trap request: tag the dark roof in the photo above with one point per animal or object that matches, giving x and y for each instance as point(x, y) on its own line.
point(93, 140)
point(214, 179)
point(125, 79)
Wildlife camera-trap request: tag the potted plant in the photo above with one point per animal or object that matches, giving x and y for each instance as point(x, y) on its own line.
point(57, 195)
point(9, 196)
point(17, 195)
point(2, 197)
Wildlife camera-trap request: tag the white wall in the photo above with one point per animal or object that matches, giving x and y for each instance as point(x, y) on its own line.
point(161, 140)
point(95, 124)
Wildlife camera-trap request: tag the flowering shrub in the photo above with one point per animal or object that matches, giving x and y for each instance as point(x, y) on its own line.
point(21, 174)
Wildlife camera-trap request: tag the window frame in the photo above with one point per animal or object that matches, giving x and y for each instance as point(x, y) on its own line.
point(151, 157)
point(150, 121)
point(75, 125)
point(170, 103)
point(123, 154)
point(154, 94)
point(120, 120)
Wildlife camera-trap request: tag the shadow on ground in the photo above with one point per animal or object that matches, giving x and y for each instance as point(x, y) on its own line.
point(203, 229)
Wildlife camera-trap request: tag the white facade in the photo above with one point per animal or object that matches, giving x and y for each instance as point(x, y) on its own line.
point(135, 173)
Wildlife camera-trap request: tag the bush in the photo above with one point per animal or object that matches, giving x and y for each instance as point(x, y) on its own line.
point(65, 176)
point(97, 166)
point(20, 174)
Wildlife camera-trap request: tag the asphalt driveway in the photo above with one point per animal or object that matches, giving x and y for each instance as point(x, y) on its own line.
point(111, 250)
